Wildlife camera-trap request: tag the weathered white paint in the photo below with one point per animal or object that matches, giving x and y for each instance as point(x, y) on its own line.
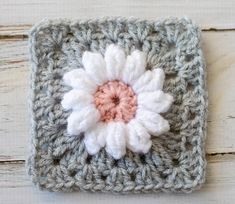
point(209, 14)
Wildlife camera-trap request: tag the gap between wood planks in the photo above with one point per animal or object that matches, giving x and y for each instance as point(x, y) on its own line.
point(17, 37)
point(21, 34)
point(13, 162)
point(208, 156)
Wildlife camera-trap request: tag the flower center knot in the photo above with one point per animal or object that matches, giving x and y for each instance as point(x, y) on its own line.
point(116, 101)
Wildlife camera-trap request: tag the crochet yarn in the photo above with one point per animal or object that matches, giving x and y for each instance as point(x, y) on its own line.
point(176, 161)
point(121, 99)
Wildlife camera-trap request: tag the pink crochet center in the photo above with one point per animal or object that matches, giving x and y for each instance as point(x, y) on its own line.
point(116, 101)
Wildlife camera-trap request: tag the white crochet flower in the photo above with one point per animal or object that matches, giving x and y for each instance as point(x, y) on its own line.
point(115, 102)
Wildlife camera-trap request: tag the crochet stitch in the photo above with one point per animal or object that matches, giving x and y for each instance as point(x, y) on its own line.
point(176, 161)
point(116, 93)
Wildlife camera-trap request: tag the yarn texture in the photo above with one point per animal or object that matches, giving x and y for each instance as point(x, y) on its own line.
point(176, 160)
point(116, 93)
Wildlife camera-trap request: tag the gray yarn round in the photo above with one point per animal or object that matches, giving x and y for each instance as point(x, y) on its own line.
point(176, 161)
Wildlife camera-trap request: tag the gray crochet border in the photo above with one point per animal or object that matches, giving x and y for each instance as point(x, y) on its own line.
point(176, 163)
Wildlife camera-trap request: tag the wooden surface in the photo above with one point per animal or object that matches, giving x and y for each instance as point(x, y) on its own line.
point(216, 18)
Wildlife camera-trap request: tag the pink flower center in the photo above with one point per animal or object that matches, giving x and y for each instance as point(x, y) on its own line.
point(116, 101)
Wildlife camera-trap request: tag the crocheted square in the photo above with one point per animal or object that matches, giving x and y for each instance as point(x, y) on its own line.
point(176, 161)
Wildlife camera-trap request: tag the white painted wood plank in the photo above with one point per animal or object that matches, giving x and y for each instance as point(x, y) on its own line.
point(14, 120)
point(219, 188)
point(13, 53)
point(219, 51)
point(14, 70)
point(208, 14)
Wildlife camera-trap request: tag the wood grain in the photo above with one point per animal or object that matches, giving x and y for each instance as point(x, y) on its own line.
point(14, 120)
point(219, 52)
point(220, 58)
point(208, 14)
point(15, 187)
point(14, 31)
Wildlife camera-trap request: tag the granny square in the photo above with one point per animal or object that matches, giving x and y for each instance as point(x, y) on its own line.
point(174, 161)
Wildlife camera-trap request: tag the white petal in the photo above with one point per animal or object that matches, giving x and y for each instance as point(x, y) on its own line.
point(134, 67)
point(92, 146)
point(153, 122)
point(138, 139)
point(80, 121)
point(115, 61)
point(79, 79)
point(156, 101)
point(150, 81)
point(95, 138)
point(94, 65)
point(98, 132)
point(116, 139)
point(76, 99)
